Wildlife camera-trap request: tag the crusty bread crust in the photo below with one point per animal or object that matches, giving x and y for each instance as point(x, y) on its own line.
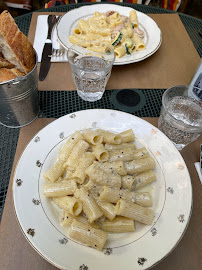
point(5, 63)
point(9, 74)
point(15, 46)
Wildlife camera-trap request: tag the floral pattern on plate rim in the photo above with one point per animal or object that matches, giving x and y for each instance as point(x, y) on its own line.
point(141, 260)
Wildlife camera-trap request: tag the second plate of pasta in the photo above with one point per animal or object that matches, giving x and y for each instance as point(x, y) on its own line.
point(133, 35)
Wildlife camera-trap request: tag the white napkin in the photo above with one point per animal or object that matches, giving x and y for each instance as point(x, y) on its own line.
point(197, 166)
point(40, 38)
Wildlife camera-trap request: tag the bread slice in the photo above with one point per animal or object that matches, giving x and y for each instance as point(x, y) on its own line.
point(9, 74)
point(5, 63)
point(14, 45)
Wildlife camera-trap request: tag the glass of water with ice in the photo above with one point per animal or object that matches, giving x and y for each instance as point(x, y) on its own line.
point(181, 116)
point(91, 64)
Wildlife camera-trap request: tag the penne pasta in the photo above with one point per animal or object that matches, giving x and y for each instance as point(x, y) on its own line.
point(131, 210)
point(88, 235)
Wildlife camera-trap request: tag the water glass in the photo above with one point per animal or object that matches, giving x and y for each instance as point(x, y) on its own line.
point(181, 116)
point(91, 68)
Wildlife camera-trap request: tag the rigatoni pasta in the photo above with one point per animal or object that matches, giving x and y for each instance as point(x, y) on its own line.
point(113, 194)
point(116, 166)
point(69, 145)
point(90, 207)
point(80, 175)
point(77, 152)
point(109, 137)
point(88, 235)
point(111, 147)
point(110, 28)
point(119, 225)
point(100, 152)
point(140, 165)
point(127, 136)
point(96, 183)
point(70, 204)
point(134, 211)
point(55, 172)
point(92, 137)
point(59, 189)
point(102, 177)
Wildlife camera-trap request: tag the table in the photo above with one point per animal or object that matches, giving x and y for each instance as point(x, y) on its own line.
point(54, 104)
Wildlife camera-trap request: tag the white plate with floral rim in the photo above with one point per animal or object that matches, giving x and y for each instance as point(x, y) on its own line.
point(152, 33)
point(38, 218)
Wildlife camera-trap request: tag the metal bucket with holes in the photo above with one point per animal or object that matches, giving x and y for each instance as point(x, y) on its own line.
point(19, 100)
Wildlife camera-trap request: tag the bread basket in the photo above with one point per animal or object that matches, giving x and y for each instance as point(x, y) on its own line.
point(19, 100)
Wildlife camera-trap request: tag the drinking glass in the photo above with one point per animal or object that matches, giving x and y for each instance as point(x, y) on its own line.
point(181, 116)
point(91, 68)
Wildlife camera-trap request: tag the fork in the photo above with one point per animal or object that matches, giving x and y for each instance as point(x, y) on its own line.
point(58, 51)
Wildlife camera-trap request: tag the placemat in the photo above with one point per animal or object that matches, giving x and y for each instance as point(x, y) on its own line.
point(173, 64)
point(16, 253)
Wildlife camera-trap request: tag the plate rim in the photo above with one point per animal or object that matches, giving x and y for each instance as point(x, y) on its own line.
point(112, 111)
point(125, 62)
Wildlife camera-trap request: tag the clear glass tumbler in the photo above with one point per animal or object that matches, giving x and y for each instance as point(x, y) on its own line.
point(181, 116)
point(91, 65)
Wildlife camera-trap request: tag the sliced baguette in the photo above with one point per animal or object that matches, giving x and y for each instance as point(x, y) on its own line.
point(9, 74)
point(14, 45)
point(5, 63)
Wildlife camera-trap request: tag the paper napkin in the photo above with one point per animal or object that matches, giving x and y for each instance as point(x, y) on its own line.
point(40, 38)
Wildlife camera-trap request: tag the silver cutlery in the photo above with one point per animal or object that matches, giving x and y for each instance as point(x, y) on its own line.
point(47, 50)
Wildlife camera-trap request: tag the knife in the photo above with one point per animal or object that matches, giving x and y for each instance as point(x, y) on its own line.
point(47, 49)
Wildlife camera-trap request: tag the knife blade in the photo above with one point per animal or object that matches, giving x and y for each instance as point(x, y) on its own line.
point(47, 49)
